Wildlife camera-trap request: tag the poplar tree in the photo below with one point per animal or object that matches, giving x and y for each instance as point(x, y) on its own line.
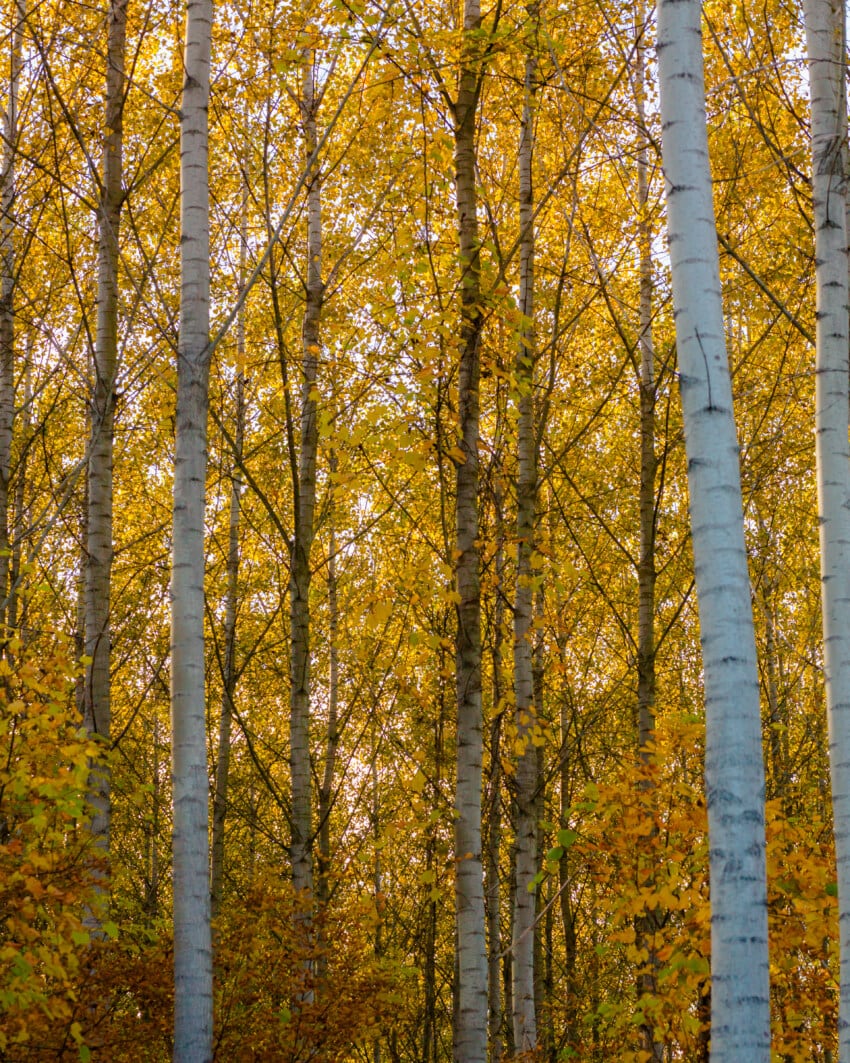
point(470, 1023)
point(734, 765)
point(8, 273)
point(304, 490)
point(99, 548)
point(825, 46)
point(192, 944)
point(526, 843)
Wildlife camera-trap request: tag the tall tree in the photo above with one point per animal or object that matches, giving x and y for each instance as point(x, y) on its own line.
point(825, 46)
point(231, 601)
point(648, 923)
point(470, 1023)
point(228, 661)
point(192, 944)
point(304, 491)
point(8, 268)
point(734, 765)
point(99, 549)
point(527, 725)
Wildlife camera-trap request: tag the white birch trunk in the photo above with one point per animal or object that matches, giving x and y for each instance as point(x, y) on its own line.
point(7, 290)
point(192, 945)
point(20, 493)
point(647, 924)
point(228, 675)
point(734, 769)
point(824, 40)
point(526, 842)
point(470, 1020)
point(99, 549)
point(301, 851)
point(492, 859)
point(332, 734)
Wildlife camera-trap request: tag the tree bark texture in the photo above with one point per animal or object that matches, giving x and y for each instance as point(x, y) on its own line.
point(332, 736)
point(734, 768)
point(470, 1023)
point(492, 857)
point(8, 276)
point(99, 548)
point(228, 671)
point(648, 923)
point(525, 841)
point(824, 41)
point(301, 851)
point(192, 944)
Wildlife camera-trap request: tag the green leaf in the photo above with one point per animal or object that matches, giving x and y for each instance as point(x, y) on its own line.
point(567, 837)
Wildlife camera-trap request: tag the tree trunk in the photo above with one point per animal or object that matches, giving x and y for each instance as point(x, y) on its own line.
point(470, 1024)
point(8, 280)
point(228, 672)
point(734, 767)
point(648, 922)
point(332, 737)
point(192, 945)
point(824, 39)
point(526, 842)
point(494, 798)
point(98, 569)
point(305, 503)
point(17, 537)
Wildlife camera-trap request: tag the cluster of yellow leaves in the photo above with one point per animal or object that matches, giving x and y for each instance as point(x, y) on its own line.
point(282, 991)
point(46, 865)
point(643, 841)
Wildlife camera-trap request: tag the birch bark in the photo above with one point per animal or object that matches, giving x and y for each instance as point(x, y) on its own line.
point(525, 844)
point(824, 41)
point(99, 549)
point(647, 924)
point(734, 769)
point(228, 676)
point(332, 734)
point(470, 1020)
point(7, 289)
point(301, 852)
point(192, 944)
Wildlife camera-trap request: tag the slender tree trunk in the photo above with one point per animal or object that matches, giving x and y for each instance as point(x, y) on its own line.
point(377, 876)
point(151, 905)
point(470, 1024)
point(332, 737)
point(228, 676)
point(648, 462)
point(824, 40)
point(494, 800)
point(98, 570)
point(646, 924)
point(777, 782)
point(305, 503)
point(526, 841)
point(734, 768)
point(20, 494)
point(8, 277)
point(192, 944)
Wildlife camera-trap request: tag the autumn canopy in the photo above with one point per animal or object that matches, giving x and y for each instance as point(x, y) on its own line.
point(424, 531)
